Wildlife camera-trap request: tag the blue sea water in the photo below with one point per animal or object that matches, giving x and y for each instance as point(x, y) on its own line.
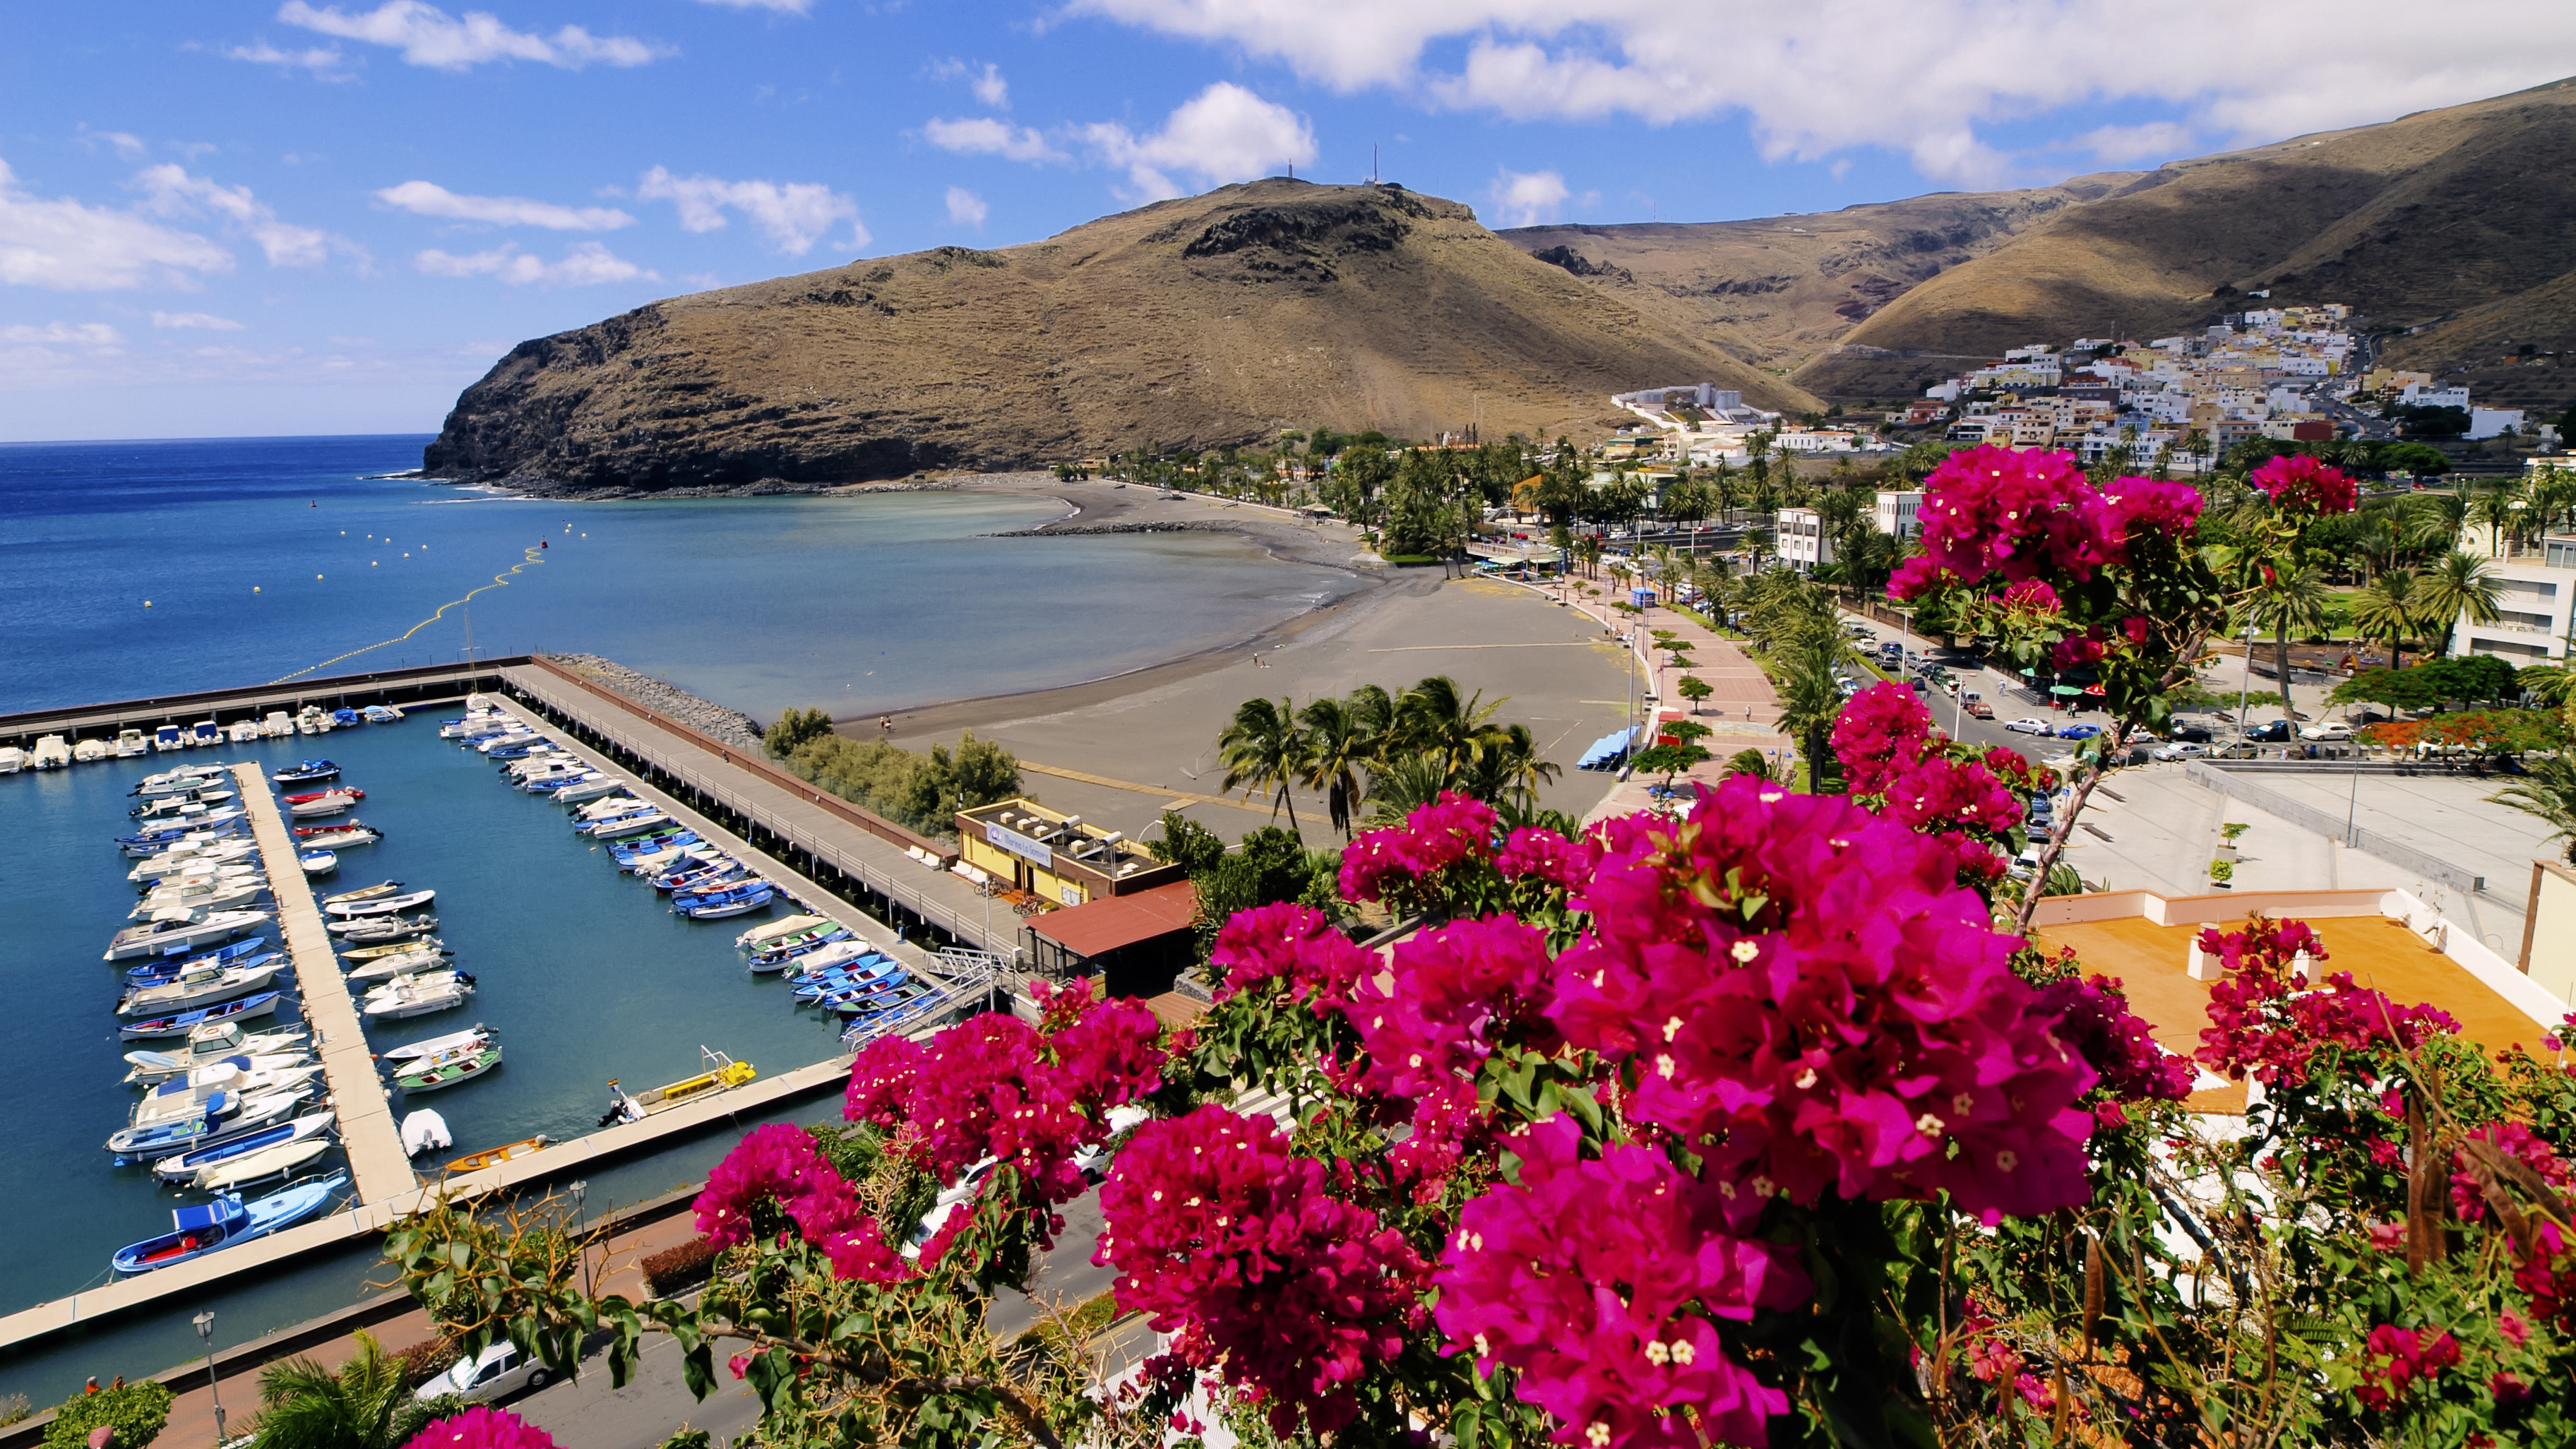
point(146, 568)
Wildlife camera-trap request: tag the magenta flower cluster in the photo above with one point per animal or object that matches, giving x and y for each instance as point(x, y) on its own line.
point(1405, 857)
point(2267, 1021)
point(1292, 944)
point(780, 1164)
point(2095, 1019)
point(481, 1427)
point(1893, 756)
point(1804, 996)
point(2401, 1359)
point(2033, 518)
point(1456, 993)
point(1242, 1254)
point(2302, 486)
point(1525, 1281)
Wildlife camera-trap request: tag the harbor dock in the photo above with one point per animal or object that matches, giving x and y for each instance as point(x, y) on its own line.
point(377, 1164)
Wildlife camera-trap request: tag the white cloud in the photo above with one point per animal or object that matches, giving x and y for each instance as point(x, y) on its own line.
point(984, 136)
point(2121, 145)
point(793, 215)
point(987, 83)
point(325, 61)
point(584, 264)
point(1526, 198)
point(173, 192)
point(128, 146)
point(965, 208)
point(1921, 79)
point(428, 198)
point(72, 247)
point(1224, 133)
point(205, 320)
point(427, 35)
point(75, 334)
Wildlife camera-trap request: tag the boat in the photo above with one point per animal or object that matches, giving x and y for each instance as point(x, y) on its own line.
point(418, 995)
point(781, 958)
point(328, 802)
point(132, 744)
point(768, 931)
point(598, 810)
point(214, 892)
point(307, 772)
point(232, 1074)
point(276, 724)
point(165, 806)
point(181, 779)
point(448, 1070)
point(855, 976)
point(551, 784)
point(245, 1009)
point(318, 862)
point(169, 737)
point(828, 956)
point(475, 1035)
point(590, 790)
point(341, 835)
point(427, 957)
point(243, 732)
point(12, 759)
point(376, 892)
point(723, 1074)
point(152, 971)
point(355, 954)
point(381, 714)
point(495, 1156)
point(212, 1043)
point(312, 720)
point(202, 988)
point(150, 843)
point(184, 1167)
point(363, 930)
point(515, 748)
point(208, 1227)
point(52, 752)
point(222, 1118)
point(695, 871)
point(627, 825)
point(424, 1131)
point(384, 906)
point(716, 908)
point(212, 1069)
point(84, 751)
point(663, 844)
point(185, 932)
point(506, 740)
point(343, 717)
point(213, 850)
point(260, 1166)
point(205, 732)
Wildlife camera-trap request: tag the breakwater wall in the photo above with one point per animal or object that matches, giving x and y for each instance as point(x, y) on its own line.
point(396, 687)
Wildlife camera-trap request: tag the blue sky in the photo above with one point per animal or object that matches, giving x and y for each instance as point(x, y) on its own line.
point(244, 219)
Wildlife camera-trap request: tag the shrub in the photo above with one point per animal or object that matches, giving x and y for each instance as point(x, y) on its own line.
point(914, 790)
point(2503, 731)
point(2222, 871)
point(137, 1412)
point(13, 1408)
point(794, 728)
point(688, 1439)
point(674, 1270)
point(427, 1359)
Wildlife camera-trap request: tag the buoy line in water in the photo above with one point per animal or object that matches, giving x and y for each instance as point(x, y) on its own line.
point(500, 580)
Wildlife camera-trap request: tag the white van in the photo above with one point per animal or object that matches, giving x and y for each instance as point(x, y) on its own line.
point(498, 1371)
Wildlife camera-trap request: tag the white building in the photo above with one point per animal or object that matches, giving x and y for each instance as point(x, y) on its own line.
point(2533, 616)
point(1802, 542)
point(2493, 422)
point(1896, 514)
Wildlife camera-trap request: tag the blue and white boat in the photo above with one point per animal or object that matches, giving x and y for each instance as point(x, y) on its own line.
point(719, 907)
point(147, 974)
point(828, 956)
point(222, 1117)
point(203, 988)
point(318, 862)
point(874, 976)
point(627, 852)
point(185, 1166)
point(217, 825)
point(697, 873)
point(714, 891)
point(207, 1227)
point(381, 714)
point(248, 1008)
point(181, 931)
point(308, 772)
point(898, 1005)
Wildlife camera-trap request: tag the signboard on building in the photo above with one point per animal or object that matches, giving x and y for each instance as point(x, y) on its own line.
point(1019, 845)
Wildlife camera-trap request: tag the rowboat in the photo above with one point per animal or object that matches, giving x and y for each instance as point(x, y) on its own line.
point(207, 1227)
point(428, 957)
point(662, 843)
point(364, 929)
point(260, 1166)
point(186, 1165)
point(723, 1074)
point(338, 835)
point(245, 1009)
point(318, 862)
point(769, 931)
point(386, 906)
point(307, 772)
point(390, 948)
point(328, 802)
point(475, 1035)
point(716, 908)
point(378, 891)
point(185, 932)
point(448, 1070)
point(859, 974)
point(506, 1152)
point(203, 988)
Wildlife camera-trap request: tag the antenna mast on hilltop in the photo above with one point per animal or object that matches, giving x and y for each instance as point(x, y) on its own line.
point(1372, 163)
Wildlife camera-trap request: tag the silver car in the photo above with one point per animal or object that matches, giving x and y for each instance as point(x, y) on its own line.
point(497, 1372)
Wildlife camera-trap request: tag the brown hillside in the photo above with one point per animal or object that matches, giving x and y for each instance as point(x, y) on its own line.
point(2411, 221)
point(1779, 290)
point(1215, 319)
point(2515, 352)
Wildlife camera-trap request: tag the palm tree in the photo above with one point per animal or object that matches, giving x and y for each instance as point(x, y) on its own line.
point(2460, 583)
point(2286, 599)
point(1339, 746)
point(1264, 750)
point(1809, 700)
point(365, 1405)
point(2388, 608)
point(1430, 719)
point(1507, 767)
point(1395, 790)
point(2548, 790)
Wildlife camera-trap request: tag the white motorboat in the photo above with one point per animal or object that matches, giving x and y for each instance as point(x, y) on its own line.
point(12, 759)
point(474, 1036)
point(179, 1101)
point(181, 780)
point(276, 724)
point(405, 947)
point(181, 806)
point(198, 988)
point(168, 737)
point(589, 790)
point(185, 1166)
point(381, 906)
point(214, 1068)
point(318, 862)
point(417, 995)
point(326, 802)
point(206, 732)
point(190, 930)
point(215, 892)
point(177, 864)
point(243, 731)
point(386, 968)
point(772, 930)
point(618, 827)
point(313, 719)
point(343, 836)
point(132, 744)
point(245, 1075)
point(599, 810)
point(84, 751)
point(259, 1166)
point(52, 752)
point(213, 1042)
point(370, 930)
point(424, 1131)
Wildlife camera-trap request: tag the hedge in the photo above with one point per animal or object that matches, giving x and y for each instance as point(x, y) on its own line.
point(137, 1411)
point(673, 1270)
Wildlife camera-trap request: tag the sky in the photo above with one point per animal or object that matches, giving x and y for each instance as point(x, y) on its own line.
point(251, 219)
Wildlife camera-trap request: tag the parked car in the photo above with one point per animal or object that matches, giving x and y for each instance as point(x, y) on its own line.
point(2078, 731)
point(498, 1371)
point(2182, 750)
point(2028, 725)
point(2333, 729)
point(2277, 732)
point(2191, 733)
point(1978, 708)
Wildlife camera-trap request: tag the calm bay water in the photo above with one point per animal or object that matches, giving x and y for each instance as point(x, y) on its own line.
point(858, 604)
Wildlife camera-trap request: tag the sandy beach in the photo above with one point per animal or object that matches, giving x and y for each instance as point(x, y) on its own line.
point(1122, 750)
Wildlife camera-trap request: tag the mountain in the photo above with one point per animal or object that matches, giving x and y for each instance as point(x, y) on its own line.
point(1215, 319)
point(2454, 230)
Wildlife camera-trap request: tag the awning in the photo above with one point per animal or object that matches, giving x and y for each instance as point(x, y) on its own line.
point(2065, 689)
point(1102, 926)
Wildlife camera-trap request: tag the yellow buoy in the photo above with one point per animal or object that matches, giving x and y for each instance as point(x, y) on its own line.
point(371, 563)
point(147, 603)
point(317, 578)
point(254, 588)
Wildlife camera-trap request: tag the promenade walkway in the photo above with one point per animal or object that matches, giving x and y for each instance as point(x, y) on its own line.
point(377, 1162)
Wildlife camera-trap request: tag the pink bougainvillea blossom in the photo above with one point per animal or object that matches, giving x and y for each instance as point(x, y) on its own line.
point(2298, 484)
point(1456, 993)
point(1290, 943)
point(482, 1427)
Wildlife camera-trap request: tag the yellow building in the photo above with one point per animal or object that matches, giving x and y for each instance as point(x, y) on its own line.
point(1024, 846)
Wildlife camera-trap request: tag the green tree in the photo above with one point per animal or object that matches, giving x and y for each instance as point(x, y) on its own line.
point(365, 1405)
point(2283, 599)
point(137, 1412)
point(1263, 749)
point(2460, 583)
point(1340, 743)
point(793, 728)
point(1186, 843)
point(1694, 689)
point(2547, 790)
point(1810, 698)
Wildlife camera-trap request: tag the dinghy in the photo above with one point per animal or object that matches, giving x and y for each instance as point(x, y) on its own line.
point(424, 1131)
point(245, 1009)
point(495, 1156)
point(355, 954)
point(328, 802)
point(318, 862)
point(378, 891)
point(447, 1070)
point(185, 1166)
point(384, 906)
point(307, 772)
point(260, 1166)
point(208, 1227)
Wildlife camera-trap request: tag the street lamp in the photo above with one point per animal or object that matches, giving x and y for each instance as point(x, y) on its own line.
point(581, 1190)
point(205, 1323)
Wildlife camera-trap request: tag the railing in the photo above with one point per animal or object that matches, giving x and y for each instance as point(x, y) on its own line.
point(965, 977)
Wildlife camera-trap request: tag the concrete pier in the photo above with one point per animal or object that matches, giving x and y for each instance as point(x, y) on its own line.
point(376, 1161)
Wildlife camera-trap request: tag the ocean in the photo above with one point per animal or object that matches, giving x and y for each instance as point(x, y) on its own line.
point(144, 568)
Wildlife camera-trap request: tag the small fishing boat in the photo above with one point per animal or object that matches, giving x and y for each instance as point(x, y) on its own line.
point(307, 772)
point(512, 748)
point(260, 1166)
point(874, 978)
point(804, 938)
point(362, 930)
point(343, 835)
point(183, 857)
point(132, 744)
point(381, 714)
point(473, 1036)
point(202, 988)
point(224, 1117)
point(327, 802)
point(184, 1166)
point(909, 999)
point(550, 784)
point(156, 971)
point(208, 1227)
point(447, 1070)
point(627, 825)
point(417, 995)
point(722, 1074)
point(318, 862)
point(768, 931)
point(695, 871)
point(717, 908)
point(246, 1009)
point(662, 844)
point(795, 955)
point(12, 759)
point(52, 752)
point(355, 954)
point(731, 885)
point(84, 751)
point(495, 1156)
point(378, 891)
point(381, 906)
point(825, 957)
point(591, 790)
point(426, 957)
point(187, 931)
point(424, 1131)
point(214, 1042)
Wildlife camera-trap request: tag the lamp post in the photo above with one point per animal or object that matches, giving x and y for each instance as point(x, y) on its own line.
point(2248, 687)
point(205, 1323)
point(580, 1191)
